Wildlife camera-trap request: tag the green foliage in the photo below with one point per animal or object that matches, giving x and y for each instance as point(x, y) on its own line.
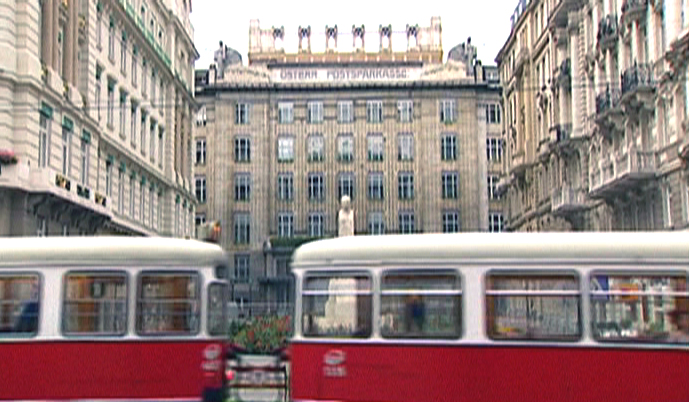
point(262, 334)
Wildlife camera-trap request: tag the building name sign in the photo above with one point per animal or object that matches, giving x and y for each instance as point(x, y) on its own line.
point(364, 74)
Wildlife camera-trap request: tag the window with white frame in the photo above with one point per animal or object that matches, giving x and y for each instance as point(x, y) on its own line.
point(315, 112)
point(316, 148)
point(405, 110)
point(241, 267)
point(242, 149)
point(134, 65)
point(494, 149)
point(667, 205)
point(111, 103)
point(99, 29)
point(496, 222)
point(241, 113)
point(286, 149)
point(450, 182)
point(493, 113)
point(375, 186)
point(84, 162)
point(44, 141)
point(285, 186)
point(201, 151)
point(492, 187)
point(123, 52)
point(447, 111)
point(161, 145)
point(242, 187)
point(132, 195)
point(152, 145)
point(405, 185)
point(448, 147)
point(285, 112)
point(108, 178)
point(374, 111)
point(375, 147)
point(133, 126)
point(685, 201)
point(406, 222)
point(345, 185)
point(144, 78)
point(66, 150)
point(41, 226)
point(345, 148)
point(316, 224)
point(153, 88)
point(242, 228)
point(123, 113)
point(144, 128)
point(376, 223)
point(405, 147)
point(345, 112)
point(97, 95)
point(285, 224)
point(111, 41)
point(120, 193)
point(151, 206)
point(200, 188)
point(450, 222)
point(142, 201)
point(316, 185)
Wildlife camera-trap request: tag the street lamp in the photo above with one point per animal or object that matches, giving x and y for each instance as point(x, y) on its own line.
point(267, 246)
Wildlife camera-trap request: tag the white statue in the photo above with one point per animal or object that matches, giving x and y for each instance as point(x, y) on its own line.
point(345, 218)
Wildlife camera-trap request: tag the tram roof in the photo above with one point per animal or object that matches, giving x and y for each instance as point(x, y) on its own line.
point(544, 246)
point(103, 250)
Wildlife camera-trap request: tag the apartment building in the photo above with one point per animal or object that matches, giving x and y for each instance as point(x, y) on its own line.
point(96, 118)
point(413, 141)
point(595, 97)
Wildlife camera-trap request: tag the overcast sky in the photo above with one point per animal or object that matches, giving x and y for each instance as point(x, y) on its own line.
point(487, 22)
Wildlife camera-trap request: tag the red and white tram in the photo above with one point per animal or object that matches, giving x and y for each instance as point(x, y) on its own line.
point(112, 318)
point(492, 317)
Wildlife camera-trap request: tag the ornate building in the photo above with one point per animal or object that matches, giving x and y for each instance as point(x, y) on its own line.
point(95, 122)
point(414, 142)
point(595, 96)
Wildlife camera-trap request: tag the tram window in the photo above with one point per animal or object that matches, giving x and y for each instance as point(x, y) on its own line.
point(19, 304)
point(337, 306)
point(421, 305)
point(95, 304)
point(168, 304)
point(533, 307)
point(639, 308)
point(216, 309)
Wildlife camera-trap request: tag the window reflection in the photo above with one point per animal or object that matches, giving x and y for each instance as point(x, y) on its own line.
point(337, 307)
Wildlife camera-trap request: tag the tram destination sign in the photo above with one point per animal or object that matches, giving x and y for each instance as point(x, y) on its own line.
point(348, 74)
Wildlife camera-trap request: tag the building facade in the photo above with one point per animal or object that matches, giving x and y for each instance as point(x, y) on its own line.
point(414, 142)
point(596, 100)
point(96, 118)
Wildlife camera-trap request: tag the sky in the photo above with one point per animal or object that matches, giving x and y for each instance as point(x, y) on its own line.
point(487, 22)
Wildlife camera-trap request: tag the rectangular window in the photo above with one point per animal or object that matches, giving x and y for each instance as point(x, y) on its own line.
point(374, 111)
point(285, 186)
point(153, 89)
point(201, 151)
point(41, 226)
point(84, 163)
point(667, 205)
point(493, 113)
point(316, 184)
point(316, 148)
point(120, 193)
point(108, 179)
point(241, 267)
point(133, 127)
point(376, 223)
point(95, 304)
point(315, 112)
point(241, 115)
point(200, 219)
point(345, 185)
point(421, 305)
point(345, 112)
point(496, 222)
point(111, 105)
point(144, 128)
point(405, 110)
point(406, 222)
point(161, 145)
point(123, 114)
point(285, 113)
point(144, 78)
point(168, 304)
point(639, 307)
point(111, 42)
point(450, 183)
point(44, 141)
point(447, 111)
point(242, 150)
point(200, 188)
point(152, 145)
point(405, 147)
point(286, 149)
point(242, 187)
point(450, 222)
point(348, 298)
point(132, 195)
point(217, 294)
point(96, 96)
point(531, 306)
point(123, 53)
point(285, 224)
point(142, 203)
point(99, 29)
point(66, 150)
point(375, 186)
point(242, 228)
point(494, 149)
point(345, 148)
point(448, 147)
point(492, 187)
point(375, 147)
point(19, 304)
point(151, 206)
point(134, 72)
point(316, 225)
point(405, 185)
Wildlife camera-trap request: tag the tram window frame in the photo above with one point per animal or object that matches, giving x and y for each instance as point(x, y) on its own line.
point(357, 275)
point(490, 295)
point(40, 281)
point(199, 300)
point(223, 310)
point(63, 302)
point(661, 338)
point(456, 295)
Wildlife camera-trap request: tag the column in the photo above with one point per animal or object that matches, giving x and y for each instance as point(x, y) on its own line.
point(68, 41)
point(671, 19)
point(74, 28)
point(47, 32)
point(53, 37)
point(634, 43)
point(562, 100)
point(595, 15)
point(574, 62)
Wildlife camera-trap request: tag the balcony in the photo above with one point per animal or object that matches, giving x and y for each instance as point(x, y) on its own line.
point(608, 32)
point(633, 10)
point(566, 200)
point(564, 74)
point(519, 164)
point(609, 114)
point(638, 87)
point(626, 170)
